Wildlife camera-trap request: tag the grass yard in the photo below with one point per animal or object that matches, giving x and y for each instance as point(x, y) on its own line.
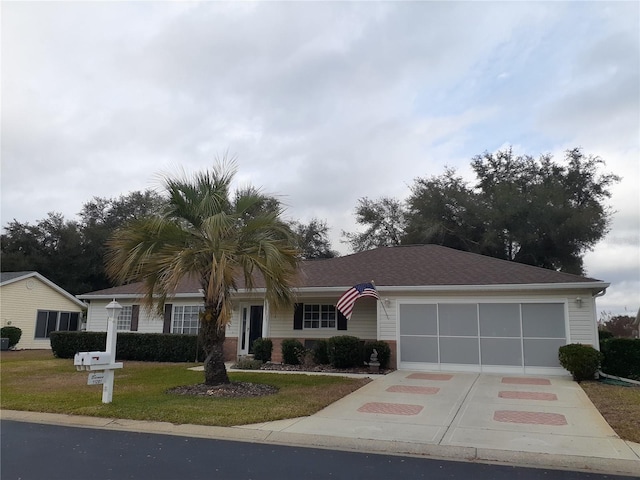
point(620, 407)
point(37, 381)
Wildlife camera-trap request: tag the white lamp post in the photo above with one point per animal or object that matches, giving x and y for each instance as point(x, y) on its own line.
point(113, 310)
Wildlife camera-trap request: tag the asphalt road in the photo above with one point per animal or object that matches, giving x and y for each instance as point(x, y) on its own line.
point(32, 451)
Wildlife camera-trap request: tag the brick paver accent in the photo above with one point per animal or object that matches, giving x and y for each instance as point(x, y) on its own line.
point(391, 408)
point(430, 376)
point(534, 418)
point(526, 381)
point(528, 395)
point(413, 389)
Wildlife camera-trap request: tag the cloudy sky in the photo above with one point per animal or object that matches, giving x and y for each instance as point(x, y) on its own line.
point(321, 103)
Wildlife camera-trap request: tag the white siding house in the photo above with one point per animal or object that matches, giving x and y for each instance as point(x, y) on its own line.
point(439, 309)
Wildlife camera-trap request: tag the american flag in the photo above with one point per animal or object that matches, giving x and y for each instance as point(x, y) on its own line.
point(348, 299)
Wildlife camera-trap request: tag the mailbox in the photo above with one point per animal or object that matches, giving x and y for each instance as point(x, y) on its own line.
point(92, 360)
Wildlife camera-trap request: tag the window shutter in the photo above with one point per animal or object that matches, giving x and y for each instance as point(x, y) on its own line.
point(342, 320)
point(166, 327)
point(297, 316)
point(135, 312)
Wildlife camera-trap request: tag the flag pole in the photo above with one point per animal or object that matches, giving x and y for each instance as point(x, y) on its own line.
point(381, 301)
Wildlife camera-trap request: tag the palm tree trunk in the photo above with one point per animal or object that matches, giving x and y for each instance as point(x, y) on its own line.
point(212, 338)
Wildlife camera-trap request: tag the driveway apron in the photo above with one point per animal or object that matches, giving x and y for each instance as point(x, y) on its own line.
point(549, 415)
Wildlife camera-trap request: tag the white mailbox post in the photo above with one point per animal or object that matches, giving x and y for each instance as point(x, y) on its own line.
point(93, 361)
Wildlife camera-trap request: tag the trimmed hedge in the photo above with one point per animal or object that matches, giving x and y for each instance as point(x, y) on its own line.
point(345, 351)
point(321, 352)
point(383, 349)
point(621, 357)
point(582, 361)
point(293, 351)
point(12, 333)
point(146, 347)
point(262, 349)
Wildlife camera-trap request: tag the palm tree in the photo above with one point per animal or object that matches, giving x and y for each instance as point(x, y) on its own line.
point(215, 235)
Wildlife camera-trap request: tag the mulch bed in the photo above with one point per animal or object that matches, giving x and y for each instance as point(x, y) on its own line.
point(229, 390)
point(317, 368)
point(246, 389)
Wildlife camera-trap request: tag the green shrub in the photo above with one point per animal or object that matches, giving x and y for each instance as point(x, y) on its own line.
point(248, 363)
point(345, 351)
point(12, 333)
point(293, 351)
point(67, 344)
point(262, 349)
point(146, 347)
point(383, 349)
point(621, 357)
point(321, 352)
point(604, 334)
point(582, 361)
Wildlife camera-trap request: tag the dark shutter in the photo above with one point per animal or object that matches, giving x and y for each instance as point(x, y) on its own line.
point(342, 320)
point(166, 327)
point(135, 312)
point(297, 316)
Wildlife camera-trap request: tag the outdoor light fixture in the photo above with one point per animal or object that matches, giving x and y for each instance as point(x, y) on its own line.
point(113, 309)
point(579, 301)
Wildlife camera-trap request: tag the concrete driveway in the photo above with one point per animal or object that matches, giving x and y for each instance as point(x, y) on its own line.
point(541, 415)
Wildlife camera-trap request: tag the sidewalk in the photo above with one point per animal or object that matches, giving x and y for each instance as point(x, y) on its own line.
point(540, 422)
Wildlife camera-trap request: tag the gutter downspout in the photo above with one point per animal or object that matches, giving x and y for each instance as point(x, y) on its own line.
point(595, 316)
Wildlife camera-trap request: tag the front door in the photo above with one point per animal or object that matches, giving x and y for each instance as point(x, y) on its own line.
point(251, 327)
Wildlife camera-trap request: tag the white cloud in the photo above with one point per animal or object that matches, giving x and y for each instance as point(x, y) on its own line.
point(322, 102)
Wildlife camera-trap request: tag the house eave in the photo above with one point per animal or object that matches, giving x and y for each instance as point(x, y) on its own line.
point(594, 287)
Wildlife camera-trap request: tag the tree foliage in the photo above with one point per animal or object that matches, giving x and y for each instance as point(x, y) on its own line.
point(535, 211)
point(53, 247)
point(218, 237)
point(71, 253)
point(385, 221)
point(620, 326)
point(313, 240)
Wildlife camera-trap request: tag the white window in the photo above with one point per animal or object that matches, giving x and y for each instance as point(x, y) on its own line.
point(319, 316)
point(123, 322)
point(186, 319)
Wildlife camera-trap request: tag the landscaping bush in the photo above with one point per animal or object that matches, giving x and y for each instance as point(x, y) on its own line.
point(67, 344)
point(604, 334)
point(247, 363)
point(582, 361)
point(149, 347)
point(383, 349)
point(262, 349)
point(12, 333)
point(293, 352)
point(321, 352)
point(621, 357)
point(345, 351)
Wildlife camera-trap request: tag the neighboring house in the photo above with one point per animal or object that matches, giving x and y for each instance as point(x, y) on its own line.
point(439, 309)
point(38, 307)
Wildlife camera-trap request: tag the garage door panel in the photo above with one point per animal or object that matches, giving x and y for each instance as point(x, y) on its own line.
point(459, 350)
point(544, 320)
point(499, 319)
point(542, 352)
point(499, 336)
point(501, 351)
point(458, 319)
point(419, 349)
point(420, 319)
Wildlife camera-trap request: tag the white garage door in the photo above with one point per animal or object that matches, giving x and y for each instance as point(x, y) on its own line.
point(491, 337)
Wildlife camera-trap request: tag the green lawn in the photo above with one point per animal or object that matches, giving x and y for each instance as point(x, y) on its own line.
point(36, 381)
